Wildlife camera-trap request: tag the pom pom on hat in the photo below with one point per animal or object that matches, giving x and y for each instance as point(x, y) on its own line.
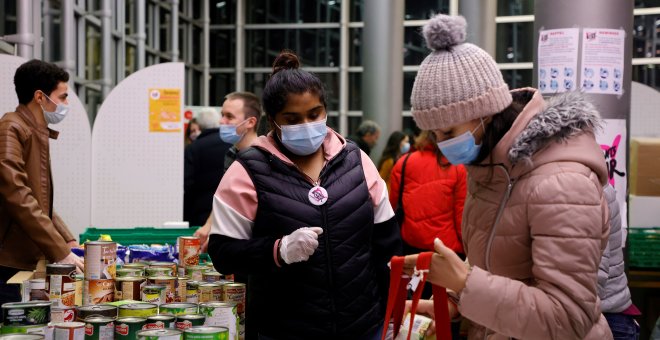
point(444, 31)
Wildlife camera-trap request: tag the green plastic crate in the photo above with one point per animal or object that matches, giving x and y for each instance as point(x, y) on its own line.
point(644, 247)
point(138, 235)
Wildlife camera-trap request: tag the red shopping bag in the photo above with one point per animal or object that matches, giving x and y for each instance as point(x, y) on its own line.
point(396, 300)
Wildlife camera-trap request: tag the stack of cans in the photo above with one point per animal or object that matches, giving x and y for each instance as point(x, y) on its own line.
point(100, 272)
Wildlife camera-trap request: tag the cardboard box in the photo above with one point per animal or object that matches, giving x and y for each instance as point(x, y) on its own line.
point(645, 166)
point(23, 278)
point(644, 211)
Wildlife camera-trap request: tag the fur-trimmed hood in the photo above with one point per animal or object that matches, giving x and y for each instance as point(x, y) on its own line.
point(559, 129)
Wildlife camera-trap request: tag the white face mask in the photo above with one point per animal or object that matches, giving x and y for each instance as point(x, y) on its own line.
point(54, 117)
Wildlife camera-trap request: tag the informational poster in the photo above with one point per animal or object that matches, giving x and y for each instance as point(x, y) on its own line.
point(557, 60)
point(165, 110)
point(602, 60)
point(612, 140)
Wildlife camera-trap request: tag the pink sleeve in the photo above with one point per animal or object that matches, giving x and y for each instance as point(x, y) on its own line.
point(238, 192)
point(377, 190)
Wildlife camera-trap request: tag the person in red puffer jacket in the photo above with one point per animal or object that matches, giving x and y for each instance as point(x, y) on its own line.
point(433, 197)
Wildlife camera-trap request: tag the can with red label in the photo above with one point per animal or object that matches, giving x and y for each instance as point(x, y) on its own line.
point(63, 314)
point(98, 292)
point(189, 248)
point(60, 284)
point(127, 328)
point(211, 276)
point(189, 321)
point(99, 328)
point(100, 260)
point(235, 292)
point(161, 321)
point(68, 330)
point(210, 292)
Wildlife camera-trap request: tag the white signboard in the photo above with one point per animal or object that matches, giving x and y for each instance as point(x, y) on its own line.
point(612, 140)
point(602, 60)
point(557, 59)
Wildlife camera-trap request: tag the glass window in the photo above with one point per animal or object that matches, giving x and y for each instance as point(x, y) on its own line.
point(515, 42)
point(131, 60)
point(515, 7)
point(356, 10)
point(222, 48)
point(408, 81)
point(223, 12)
point(647, 74)
point(414, 46)
point(196, 88)
point(355, 47)
point(8, 18)
point(292, 11)
point(316, 47)
point(220, 85)
point(646, 36)
point(353, 124)
point(164, 36)
point(93, 53)
point(410, 128)
point(647, 3)
point(518, 78)
point(197, 46)
point(131, 20)
point(255, 82)
point(93, 99)
point(355, 91)
point(424, 9)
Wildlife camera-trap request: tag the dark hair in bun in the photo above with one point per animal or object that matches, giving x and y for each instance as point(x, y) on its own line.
point(287, 78)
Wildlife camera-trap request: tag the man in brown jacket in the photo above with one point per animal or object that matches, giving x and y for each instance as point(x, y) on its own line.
point(29, 228)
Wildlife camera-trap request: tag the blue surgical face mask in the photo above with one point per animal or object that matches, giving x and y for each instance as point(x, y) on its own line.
point(228, 133)
point(304, 139)
point(54, 117)
point(405, 148)
point(461, 149)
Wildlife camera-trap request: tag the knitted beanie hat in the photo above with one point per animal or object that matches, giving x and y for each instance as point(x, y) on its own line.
point(458, 81)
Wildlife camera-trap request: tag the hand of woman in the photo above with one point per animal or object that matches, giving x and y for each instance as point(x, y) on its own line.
point(447, 269)
point(425, 307)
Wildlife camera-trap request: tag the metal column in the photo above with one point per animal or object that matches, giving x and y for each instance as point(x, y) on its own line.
point(141, 33)
point(174, 26)
point(37, 51)
point(480, 16)
point(206, 43)
point(24, 38)
point(68, 33)
point(240, 45)
point(343, 68)
point(382, 80)
point(106, 48)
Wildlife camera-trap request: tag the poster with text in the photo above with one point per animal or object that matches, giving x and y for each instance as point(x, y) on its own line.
point(557, 59)
point(612, 140)
point(165, 110)
point(602, 60)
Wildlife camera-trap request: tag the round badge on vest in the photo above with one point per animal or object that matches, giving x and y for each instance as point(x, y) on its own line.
point(318, 195)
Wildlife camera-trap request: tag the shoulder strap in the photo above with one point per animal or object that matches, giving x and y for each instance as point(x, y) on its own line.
point(399, 202)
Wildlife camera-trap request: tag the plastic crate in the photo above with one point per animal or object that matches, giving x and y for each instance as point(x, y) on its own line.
point(138, 235)
point(644, 247)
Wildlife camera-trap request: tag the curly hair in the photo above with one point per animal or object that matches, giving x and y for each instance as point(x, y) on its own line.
point(37, 75)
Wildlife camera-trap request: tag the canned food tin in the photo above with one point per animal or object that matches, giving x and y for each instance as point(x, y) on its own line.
point(189, 247)
point(192, 294)
point(212, 333)
point(180, 294)
point(60, 284)
point(135, 265)
point(100, 328)
point(98, 291)
point(63, 314)
point(235, 292)
point(229, 277)
point(154, 294)
point(79, 281)
point(127, 328)
point(158, 271)
point(129, 288)
point(69, 331)
point(170, 265)
point(210, 292)
point(140, 310)
point(21, 337)
point(100, 260)
point(38, 290)
point(211, 276)
point(33, 329)
point(178, 308)
point(189, 321)
point(85, 312)
point(161, 321)
point(160, 334)
point(25, 313)
point(223, 314)
point(196, 273)
point(170, 285)
point(132, 272)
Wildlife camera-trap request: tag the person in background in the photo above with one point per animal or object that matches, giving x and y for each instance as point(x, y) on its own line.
point(535, 220)
point(29, 228)
point(241, 113)
point(615, 302)
point(366, 135)
point(397, 145)
point(192, 131)
point(305, 215)
point(203, 168)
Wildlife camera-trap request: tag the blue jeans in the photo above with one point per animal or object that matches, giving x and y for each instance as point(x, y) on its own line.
point(623, 326)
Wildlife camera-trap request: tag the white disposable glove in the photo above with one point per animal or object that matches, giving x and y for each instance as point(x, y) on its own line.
point(75, 260)
point(300, 244)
